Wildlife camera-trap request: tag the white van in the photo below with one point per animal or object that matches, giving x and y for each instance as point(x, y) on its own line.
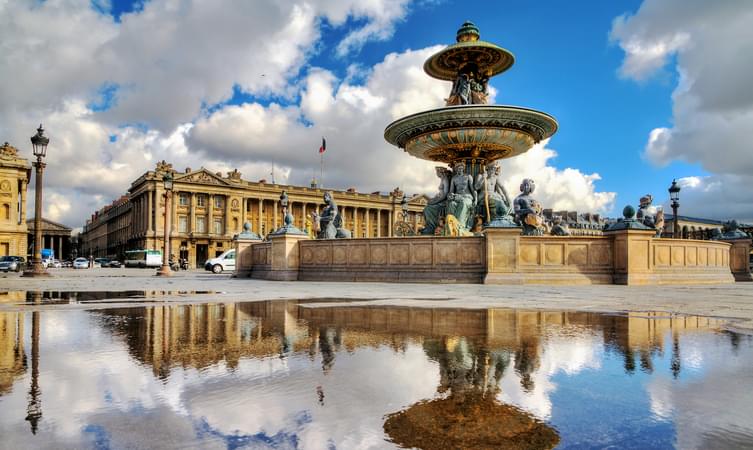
point(225, 261)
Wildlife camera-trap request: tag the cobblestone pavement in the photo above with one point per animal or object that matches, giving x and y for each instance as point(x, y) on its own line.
point(731, 301)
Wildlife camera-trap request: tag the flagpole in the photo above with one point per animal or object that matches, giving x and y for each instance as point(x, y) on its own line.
point(321, 169)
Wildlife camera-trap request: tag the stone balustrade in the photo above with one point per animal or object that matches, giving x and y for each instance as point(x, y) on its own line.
point(500, 256)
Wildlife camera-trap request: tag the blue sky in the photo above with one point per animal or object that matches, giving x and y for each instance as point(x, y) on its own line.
point(224, 85)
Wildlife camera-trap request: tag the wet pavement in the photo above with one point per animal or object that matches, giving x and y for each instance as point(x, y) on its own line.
point(312, 374)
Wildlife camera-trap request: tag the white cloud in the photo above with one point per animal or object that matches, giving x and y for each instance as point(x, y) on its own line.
point(712, 104)
point(116, 97)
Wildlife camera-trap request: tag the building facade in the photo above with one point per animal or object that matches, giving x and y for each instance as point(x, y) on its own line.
point(15, 173)
point(55, 236)
point(208, 209)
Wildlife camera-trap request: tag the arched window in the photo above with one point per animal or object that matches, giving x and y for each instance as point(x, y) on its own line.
point(685, 232)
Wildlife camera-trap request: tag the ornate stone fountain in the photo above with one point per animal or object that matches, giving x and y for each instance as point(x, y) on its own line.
point(468, 134)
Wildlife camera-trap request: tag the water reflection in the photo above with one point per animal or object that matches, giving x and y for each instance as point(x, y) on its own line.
point(298, 374)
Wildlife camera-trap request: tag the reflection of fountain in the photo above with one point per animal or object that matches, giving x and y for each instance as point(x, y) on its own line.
point(470, 416)
point(468, 134)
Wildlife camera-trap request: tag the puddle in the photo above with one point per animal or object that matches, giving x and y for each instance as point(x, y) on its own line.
point(83, 297)
point(284, 375)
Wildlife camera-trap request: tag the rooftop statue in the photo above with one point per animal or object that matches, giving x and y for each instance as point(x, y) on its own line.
point(528, 210)
point(436, 207)
point(493, 202)
point(461, 198)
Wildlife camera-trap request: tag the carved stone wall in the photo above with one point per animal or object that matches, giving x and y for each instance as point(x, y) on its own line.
point(568, 260)
point(437, 259)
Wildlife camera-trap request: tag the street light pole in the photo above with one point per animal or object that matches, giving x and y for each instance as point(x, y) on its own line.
point(674, 195)
point(165, 271)
point(39, 143)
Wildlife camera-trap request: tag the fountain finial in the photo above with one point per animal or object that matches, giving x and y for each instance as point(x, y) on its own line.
point(467, 32)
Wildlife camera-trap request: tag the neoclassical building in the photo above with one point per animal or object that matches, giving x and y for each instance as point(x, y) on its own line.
point(15, 173)
point(209, 208)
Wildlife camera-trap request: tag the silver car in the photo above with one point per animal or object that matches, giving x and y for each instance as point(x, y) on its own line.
point(80, 263)
point(14, 263)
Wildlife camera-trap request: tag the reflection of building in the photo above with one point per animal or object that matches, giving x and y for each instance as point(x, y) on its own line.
point(15, 173)
point(202, 335)
point(12, 354)
point(54, 236)
point(209, 208)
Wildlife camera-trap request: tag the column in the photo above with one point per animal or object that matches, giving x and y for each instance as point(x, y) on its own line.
point(356, 230)
point(59, 252)
point(174, 212)
point(303, 215)
point(258, 229)
point(210, 214)
point(274, 220)
point(22, 217)
point(243, 211)
point(149, 206)
point(368, 222)
point(226, 222)
point(192, 218)
point(379, 223)
point(390, 225)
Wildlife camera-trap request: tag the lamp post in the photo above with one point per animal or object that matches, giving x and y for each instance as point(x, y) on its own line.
point(674, 195)
point(165, 271)
point(39, 143)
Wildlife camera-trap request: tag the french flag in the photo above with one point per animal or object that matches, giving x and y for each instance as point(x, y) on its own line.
point(323, 147)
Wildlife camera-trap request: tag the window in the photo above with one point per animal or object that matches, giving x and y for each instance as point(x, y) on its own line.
point(218, 201)
point(6, 211)
point(183, 199)
point(230, 255)
point(182, 224)
point(218, 226)
point(201, 224)
point(201, 200)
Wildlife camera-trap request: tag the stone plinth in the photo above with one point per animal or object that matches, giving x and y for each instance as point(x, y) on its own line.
point(285, 258)
point(642, 259)
point(739, 259)
point(244, 260)
point(503, 256)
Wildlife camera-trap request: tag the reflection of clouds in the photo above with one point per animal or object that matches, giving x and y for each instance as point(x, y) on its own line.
point(359, 390)
point(710, 411)
point(566, 354)
point(94, 391)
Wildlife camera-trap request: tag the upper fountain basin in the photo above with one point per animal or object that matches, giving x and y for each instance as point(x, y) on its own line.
point(480, 131)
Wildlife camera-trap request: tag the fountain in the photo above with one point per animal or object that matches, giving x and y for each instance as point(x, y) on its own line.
point(468, 132)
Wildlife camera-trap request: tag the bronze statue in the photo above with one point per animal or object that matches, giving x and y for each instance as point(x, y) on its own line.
point(559, 228)
point(328, 224)
point(435, 209)
point(461, 198)
point(528, 210)
point(493, 202)
point(646, 213)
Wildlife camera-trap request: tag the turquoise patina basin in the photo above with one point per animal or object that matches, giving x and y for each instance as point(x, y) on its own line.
point(486, 132)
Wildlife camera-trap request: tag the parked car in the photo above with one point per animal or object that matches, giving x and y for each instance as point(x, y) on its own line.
point(101, 262)
point(225, 261)
point(14, 263)
point(114, 264)
point(55, 263)
point(80, 263)
point(67, 263)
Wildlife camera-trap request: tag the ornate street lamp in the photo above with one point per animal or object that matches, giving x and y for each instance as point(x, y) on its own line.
point(165, 271)
point(39, 143)
point(674, 195)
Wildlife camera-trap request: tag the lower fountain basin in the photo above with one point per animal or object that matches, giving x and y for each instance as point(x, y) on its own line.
point(487, 132)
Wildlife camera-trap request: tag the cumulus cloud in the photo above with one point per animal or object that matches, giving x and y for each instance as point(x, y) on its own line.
point(712, 103)
point(116, 97)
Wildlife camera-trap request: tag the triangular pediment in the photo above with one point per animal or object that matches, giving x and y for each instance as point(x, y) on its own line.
point(48, 225)
point(201, 176)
